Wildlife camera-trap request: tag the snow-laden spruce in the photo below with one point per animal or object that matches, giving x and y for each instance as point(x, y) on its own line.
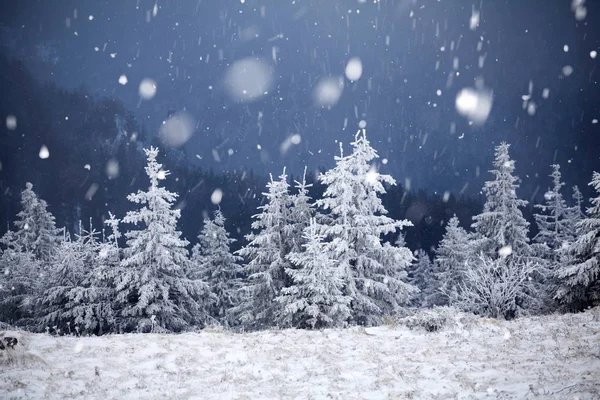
point(452, 257)
point(581, 277)
point(25, 261)
point(501, 224)
point(354, 220)
point(213, 263)
point(265, 253)
point(301, 212)
point(422, 275)
point(315, 298)
point(497, 276)
point(152, 290)
point(556, 228)
point(68, 305)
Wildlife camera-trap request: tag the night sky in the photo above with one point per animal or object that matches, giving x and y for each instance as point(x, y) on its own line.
point(533, 58)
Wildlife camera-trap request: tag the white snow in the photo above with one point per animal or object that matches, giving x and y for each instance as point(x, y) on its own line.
point(147, 89)
point(551, 357)
point(248, 79)
point(44, 152)
point(328, 90)
point(216, 196)
point(177, 129)
point(593, 54)
point(11, 122)
point(474, 104)
point(123, 79)
point(354, 69)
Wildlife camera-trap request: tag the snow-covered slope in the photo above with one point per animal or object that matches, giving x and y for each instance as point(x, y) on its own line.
point(543, 357)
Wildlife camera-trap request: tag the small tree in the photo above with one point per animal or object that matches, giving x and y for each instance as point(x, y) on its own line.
point(266, 253)
point(315, 299)
point(451, 258)
point(580, 279)
point(493, 287)
point(421, 275)
point(36, 229)
point(501, 224)
point(214, 264)
point(152, 291)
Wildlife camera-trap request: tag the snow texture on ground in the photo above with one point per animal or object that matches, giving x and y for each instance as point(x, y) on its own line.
point(550, 357)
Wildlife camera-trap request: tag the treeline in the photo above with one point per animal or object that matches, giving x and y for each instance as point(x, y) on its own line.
point(333, 261)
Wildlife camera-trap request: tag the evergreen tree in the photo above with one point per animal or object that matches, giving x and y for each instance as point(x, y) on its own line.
point(213, 263)
point(36, 230)
point(19, 282)
point(577, 209)
point(554, 223)
point(152, 291)
point(581, 277)
point(421, 275)
point(24, 261)
point(354, 222)
point(301, 213)
point(315, 298)
point(266, 253)
point(501, 224)
point(75, 302)
point(451, 259)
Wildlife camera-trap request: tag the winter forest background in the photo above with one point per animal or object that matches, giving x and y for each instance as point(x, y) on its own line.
point(117, 216)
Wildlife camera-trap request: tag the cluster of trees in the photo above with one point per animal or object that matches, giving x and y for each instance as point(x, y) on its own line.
point(329, 262)
point(495, 269)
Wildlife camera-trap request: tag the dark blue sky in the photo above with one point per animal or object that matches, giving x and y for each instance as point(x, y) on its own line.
point(408, 49)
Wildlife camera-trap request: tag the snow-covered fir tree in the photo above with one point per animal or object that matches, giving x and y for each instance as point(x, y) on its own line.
point(36, 229)
point(266, 253)
point(152, 291)
point(501, 224)
point(354, 220)
point(421, 275)
point(451, 259)
point(70, 270)
point(301, 213)
point(213, 263)
point(315, 298)
point(577, 213)
point(555, 223)
point(580, 279)
point(27, 251)
point(19, 282)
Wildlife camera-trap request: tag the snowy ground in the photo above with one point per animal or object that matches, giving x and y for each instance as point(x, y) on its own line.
point(545, 357)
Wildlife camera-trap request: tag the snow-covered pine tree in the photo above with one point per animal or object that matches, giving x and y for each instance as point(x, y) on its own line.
point(580, 278)
point(577, 209)
point(213, 263)
point(68, 274)
point(36, 229)
point(554, 222)
point(501, 224)
point(24, 261)
point(19, 282)
point(152, 291)
point(354, 222)
point(301, 213)
point(421, 275)
point(266, 253)
point(315, 298)
point(451, 259)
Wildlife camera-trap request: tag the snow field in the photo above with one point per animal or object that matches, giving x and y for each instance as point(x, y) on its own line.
point(550, 357)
